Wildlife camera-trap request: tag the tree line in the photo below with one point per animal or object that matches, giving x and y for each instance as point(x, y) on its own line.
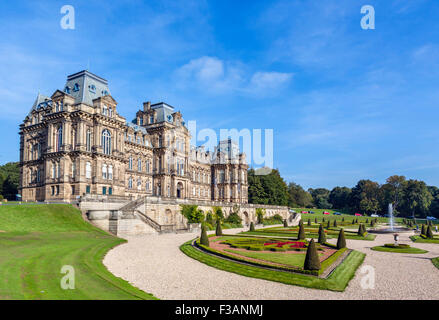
point(409, 197)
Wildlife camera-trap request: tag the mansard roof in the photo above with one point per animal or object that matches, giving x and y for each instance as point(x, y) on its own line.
point(40, 101)
point(85, 86)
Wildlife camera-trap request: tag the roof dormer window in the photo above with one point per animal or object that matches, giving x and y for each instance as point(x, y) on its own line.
point(76, 87)
point(67, 89)
point(92, 88)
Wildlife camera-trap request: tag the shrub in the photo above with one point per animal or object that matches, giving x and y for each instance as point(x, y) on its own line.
point(367, 220)
point(301, 233)
point(312, 261)
point(209, 218)
point(342, 219)
point(285, 223)
point(309, 222)
point(360, 230)
point(218, 213)
point(429, 233)
point(423, 230)
point(335, 223)
point(322, 235)
point(219, 230)
point(204, 239)
point(316, 221)
point(323, 220)
point(341, 241)
point(192, 213)
point(260, 215)
point(234, 218)
point(329, 224)
point(252, 226)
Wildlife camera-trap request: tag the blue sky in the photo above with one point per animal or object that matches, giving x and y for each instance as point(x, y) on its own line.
point(344, 103)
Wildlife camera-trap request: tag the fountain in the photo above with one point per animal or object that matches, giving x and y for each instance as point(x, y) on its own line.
point(392, 228)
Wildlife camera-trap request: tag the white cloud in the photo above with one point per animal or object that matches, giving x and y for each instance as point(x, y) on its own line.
point(218, 76)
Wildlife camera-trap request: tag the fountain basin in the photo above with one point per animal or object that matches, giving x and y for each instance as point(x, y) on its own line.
point(390, 230)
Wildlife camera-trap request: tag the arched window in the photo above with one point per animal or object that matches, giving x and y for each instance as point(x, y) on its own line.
point(139, 184)
point(147, 166)
point(139, 165)
point(147, 185)
point(88, 170)
point(130, 163)
point(76, 87)
point(58, 139)
point(130, 183)
point(105, 110)
point(110, 172)
point(106, 141)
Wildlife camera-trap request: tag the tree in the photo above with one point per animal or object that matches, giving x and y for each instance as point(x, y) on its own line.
point(218, 213)
point(341, 241)
point(298, 197)
point(364, 196)
point(204, 239)
point(393, 191)
point(322, 235)
point(339, 197)
point(219, 230)
point(360, 230)
point(417, 198)
point(335, 223)
point(312, 261)
point(10, 179)
point(423, 230)
point(301, 233)
point(309, 222)
point(320, 198)
point(285, 223)
point(267, 189)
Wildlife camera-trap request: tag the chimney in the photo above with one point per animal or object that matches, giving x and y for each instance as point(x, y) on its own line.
point(146, 106)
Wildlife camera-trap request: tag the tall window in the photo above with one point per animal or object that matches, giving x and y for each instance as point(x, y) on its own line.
point(104, 171)
point(147, 166)
point(106, 141)
point(139, 184)
point(130, 163)
point(151, 119)
point(73, 169)
point(110, 172)
point(105, 110)
point(88, 170)
point(53, 170)
point(88, 142)
point(130, 183)
point(58, 139)
point(139, 165)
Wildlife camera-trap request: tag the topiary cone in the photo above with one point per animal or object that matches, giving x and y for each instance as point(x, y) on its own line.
point(329, 225)
point(341, 241)
point(312, 261)
point(204, 239)
point(252, 226)
point(219, 230)
point(335, 223)
point(360, 230)
point(285, 223)
point(315, 220)
point(423, 229)
point(322, 235)
point(429, 233)
point(301, 234)
point(309, 222)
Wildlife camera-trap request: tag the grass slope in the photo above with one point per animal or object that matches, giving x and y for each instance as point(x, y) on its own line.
point(337, 281)
point(37, 240)
point(435, 262)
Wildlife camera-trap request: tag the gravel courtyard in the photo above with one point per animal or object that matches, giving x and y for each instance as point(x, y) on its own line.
point(156, 265)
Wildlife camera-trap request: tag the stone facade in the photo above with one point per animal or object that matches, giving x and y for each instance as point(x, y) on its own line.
point(75, 143)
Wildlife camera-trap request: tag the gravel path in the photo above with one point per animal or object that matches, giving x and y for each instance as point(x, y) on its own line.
point(156, 265)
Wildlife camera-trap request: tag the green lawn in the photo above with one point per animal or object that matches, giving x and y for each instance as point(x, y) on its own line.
point(37, 240)
point(294, 260)
point(435, 262)
point(348, 217)
point(399, 250)
point(337, 281)
point(422, 240)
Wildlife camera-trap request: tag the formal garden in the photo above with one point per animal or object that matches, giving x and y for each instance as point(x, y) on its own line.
point(294, 260)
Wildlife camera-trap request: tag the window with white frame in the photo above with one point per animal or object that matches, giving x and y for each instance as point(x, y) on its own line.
point(104, 171)
point(139, 165)
point(110, 172)
point(106, 141)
